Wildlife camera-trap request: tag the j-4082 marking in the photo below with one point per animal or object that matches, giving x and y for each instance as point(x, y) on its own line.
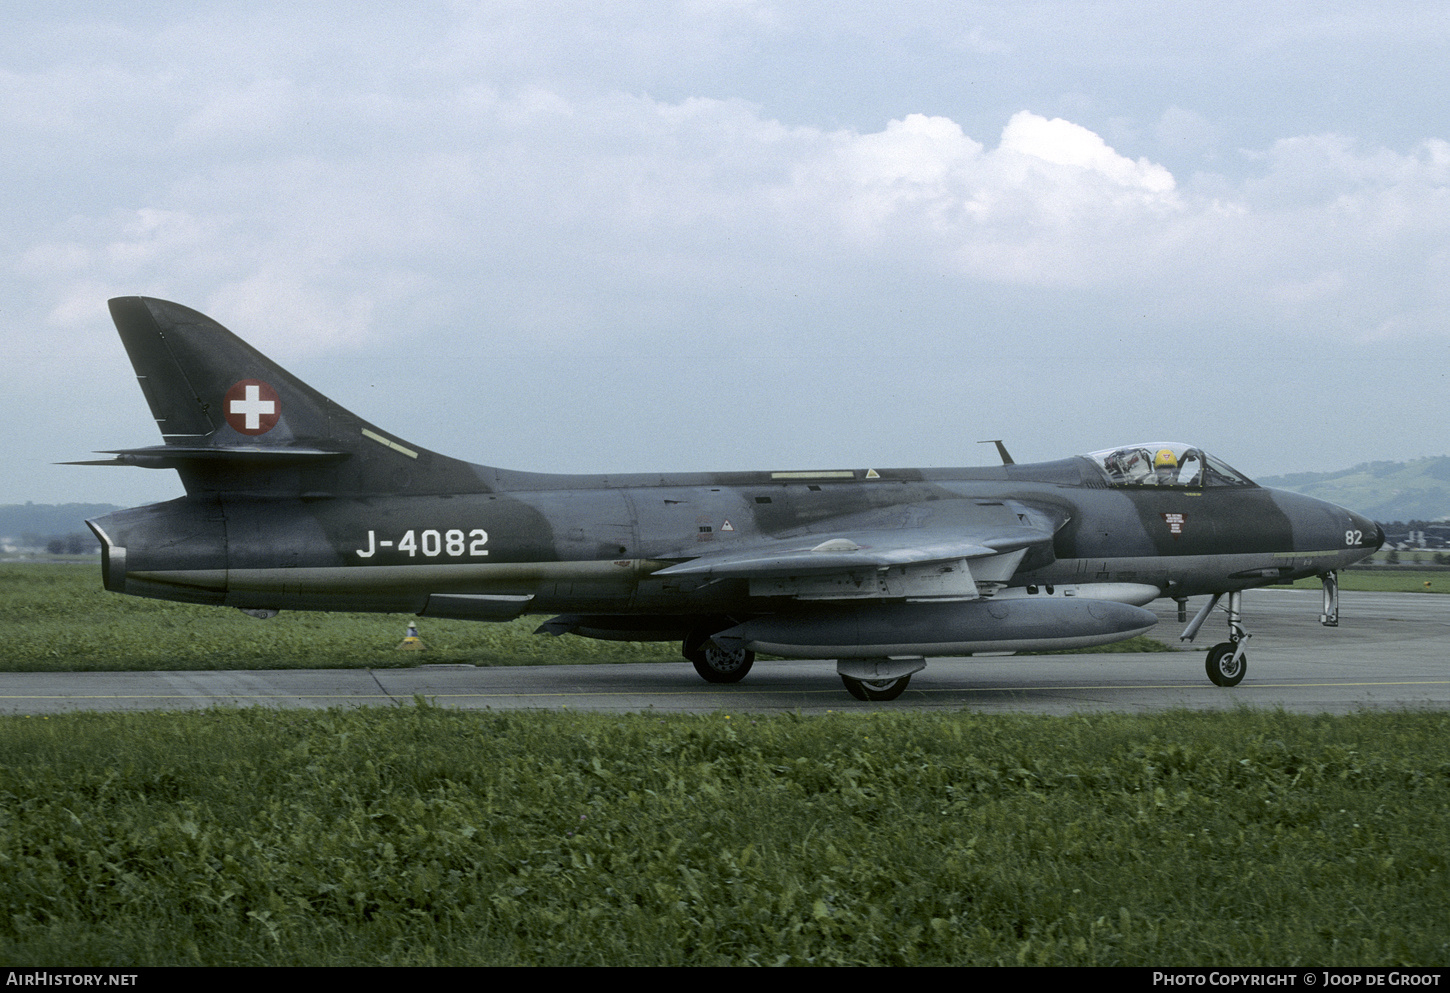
point(452, 544)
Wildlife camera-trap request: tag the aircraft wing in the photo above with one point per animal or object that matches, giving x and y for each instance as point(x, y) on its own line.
point(857, 550)
point(912, 562)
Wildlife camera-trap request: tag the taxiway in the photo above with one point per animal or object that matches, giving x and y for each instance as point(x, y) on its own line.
point(1390, 651)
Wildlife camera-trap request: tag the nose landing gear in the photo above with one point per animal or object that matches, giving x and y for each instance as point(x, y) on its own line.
point(1227, 661)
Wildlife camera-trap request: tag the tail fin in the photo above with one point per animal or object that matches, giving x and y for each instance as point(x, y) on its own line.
point(234, 420)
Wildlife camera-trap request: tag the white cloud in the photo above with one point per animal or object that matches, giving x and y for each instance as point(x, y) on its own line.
point(582, 180)
point(1064, 143)
point(630, 192)
point(919, 151)
point(1051, 205)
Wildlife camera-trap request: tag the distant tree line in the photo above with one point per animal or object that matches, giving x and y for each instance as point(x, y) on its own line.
point(74, 543)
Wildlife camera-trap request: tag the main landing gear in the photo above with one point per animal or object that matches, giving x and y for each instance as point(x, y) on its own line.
point(876, 689)
point(878, 679)
point(868, 680)
point(1227, 661)
point(713, 663)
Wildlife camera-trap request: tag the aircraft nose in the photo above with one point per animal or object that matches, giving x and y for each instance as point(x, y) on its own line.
point(1372, 535)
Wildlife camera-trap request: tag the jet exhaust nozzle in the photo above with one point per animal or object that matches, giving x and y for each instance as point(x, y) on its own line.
point(142, 555)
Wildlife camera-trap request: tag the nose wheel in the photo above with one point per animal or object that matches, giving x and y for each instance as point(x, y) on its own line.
point(1227, 661)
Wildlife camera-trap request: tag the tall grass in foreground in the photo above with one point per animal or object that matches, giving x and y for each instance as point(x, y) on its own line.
point(422, 835)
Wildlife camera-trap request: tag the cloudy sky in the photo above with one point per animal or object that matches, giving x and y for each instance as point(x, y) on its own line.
point(638, 236)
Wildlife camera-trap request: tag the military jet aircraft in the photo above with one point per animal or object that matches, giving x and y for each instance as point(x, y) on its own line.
point(293, 502)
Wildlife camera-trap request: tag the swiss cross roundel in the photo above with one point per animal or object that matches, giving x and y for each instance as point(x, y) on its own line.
point(251, 406)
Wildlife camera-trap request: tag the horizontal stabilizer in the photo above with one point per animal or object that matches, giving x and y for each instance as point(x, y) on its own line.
point(175, 456)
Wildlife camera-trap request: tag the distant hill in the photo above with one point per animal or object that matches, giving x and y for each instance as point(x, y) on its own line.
point(48, 520)
point(1384, 491)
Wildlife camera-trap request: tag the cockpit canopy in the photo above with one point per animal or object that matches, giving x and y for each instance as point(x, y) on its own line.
point(1165, 463)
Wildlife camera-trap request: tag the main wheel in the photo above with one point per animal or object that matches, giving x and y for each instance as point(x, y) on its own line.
point(1223, 669)
point(876, 689)
point(713, 663)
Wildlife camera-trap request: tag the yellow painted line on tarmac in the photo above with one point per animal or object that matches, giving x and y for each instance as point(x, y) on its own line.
point(705, 691)
point(1406, 682)
point(194, 696)
point(736, 696)
point(1178, 686)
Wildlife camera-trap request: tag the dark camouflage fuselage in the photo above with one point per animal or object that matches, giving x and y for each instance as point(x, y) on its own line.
point(295, 503)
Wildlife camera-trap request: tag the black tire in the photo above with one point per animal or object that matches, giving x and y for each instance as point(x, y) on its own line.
point(876, 689)
point(713, 663)
point(1222, 669)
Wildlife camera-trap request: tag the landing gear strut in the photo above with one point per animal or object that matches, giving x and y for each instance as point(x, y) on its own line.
point(1329, 616)
point(1227, 661)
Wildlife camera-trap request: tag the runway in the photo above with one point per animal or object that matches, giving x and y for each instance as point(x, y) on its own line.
point(1391, 651)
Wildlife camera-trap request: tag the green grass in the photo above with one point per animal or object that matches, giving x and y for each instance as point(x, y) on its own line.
point(57, 618)
point(1396, 581)
point(1414, 556)
point(420, 836)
